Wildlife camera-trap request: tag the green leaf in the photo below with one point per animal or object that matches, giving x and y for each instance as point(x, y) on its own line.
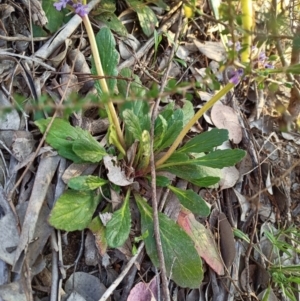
point(188, 112)
point(133, 124)
point(86, 183)
point(221, 158)
point(118, 228)
point(74, 210)
point(88, 148)
point(109, 58)
point(130, 87)
point(98, 230)
point(55, 17)
point(183, 264)
point(205, 142)
point(144, 151)
point(141, 111)
point(191, 200)
point(38, 31)
point(72, 143)
point(161, 181)
point(174, 126)
point(145, 14)
point(122, 83)
point(113, 23)
point(215, 159)
point(199, 175)
point(105, 6)
point(159, 131)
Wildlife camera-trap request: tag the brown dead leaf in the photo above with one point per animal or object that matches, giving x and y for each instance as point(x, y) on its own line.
point(225, 117)
point(115, 174)
point(227, 242)
point(213, 50)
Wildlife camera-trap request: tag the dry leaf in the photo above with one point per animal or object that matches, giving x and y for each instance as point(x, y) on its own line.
point(203, 239)
point(115, 174)
point(213, 50)
point(144, 291)
point(225, 117)
point(230, 175)
point(227, 242)
point(244, 205)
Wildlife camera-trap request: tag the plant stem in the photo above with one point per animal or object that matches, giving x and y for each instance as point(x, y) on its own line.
point(112, 115)
point(188, 126)
point(247, 22)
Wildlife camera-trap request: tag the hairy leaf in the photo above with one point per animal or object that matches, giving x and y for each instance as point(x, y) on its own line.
point(174, 126)
point(215, 159)
point(73, 210)
point(113, 23)
point(133, 124)
point(139, 109)
point(205, 142)
point(146, 16)
point(160, 129)
point(118, 228)
point(86, 183)
point(109, 58)
point(199, 175)
point(72, 143)
point(188, 112)
point(191, 200)
point(183, 264)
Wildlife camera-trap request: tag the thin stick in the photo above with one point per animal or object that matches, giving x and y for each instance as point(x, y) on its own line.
point(161, 259)
point(113, 286)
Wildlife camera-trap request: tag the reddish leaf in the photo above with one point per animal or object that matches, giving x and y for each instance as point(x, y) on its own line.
point(144, 291)
point(203, 239)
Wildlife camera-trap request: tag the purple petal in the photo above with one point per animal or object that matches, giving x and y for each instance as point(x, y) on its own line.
point(269, 66)
point(61, 4)
point(262, 56)
point(80, 9)
point(236, 76)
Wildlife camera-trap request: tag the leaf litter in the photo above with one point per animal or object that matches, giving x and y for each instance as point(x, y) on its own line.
point(26, 238)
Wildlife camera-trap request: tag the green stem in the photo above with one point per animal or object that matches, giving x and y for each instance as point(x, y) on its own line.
point(184, 131)
point(112, 115)
point(247, 22)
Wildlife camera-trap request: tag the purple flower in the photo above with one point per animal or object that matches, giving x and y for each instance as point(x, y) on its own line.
point(61, 4)
point(237, 45)
point(235, 76)
point(263, 60)
point(80, 9)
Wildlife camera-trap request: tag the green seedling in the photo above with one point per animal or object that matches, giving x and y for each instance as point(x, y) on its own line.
point(196, 161)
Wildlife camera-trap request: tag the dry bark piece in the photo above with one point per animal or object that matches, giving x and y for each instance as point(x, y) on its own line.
point(9, 236)
point(80, 65)
point(227, 242)
point(44, 175)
